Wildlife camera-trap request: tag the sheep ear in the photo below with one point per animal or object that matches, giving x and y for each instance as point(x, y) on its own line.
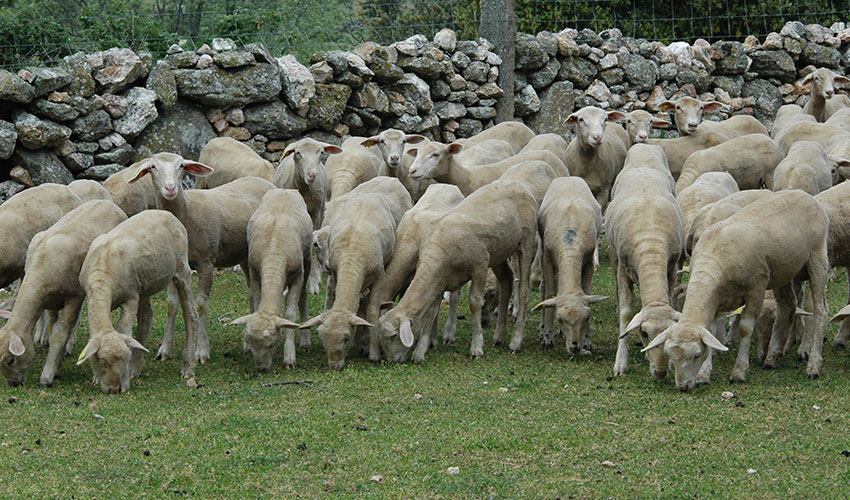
point(842, 80)
point(571, 120)
point(412, 151)
point(287, 153)
point(240, 320)
point(405, 333)
point(134, 344)
point(454, 148)
point(142, 171)
point(616, 116)
point(285, 323)
point(413, 139)
point(332, 150)
point(592, 299)
point(657, 341)
point(634, 323)
point(372, 141)
point(661, 122)
point(802, 312)
point(387, 305)
point(808, 78)
point(4, 314)
point(668, 105)
point(196, 168)
point(16, 345)
point(546, 303)
point(842, 314)
point(88, 351)
point(356, 320)
point(711, 341)
point(712, 106)
point(313, 322)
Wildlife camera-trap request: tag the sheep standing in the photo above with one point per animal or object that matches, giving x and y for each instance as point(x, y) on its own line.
point(719, 210)
point(280, 236)
point(89, 190)
point(824, 103)
point(734, 126)
point(553, 143)
point(678, 150)
point(390, 145)
point(786, 116)
point(638, 125)
point(352, 166)
point(569, 223)
point(132, 198)
point(358, 239)
point(231, 160)
point(806, 167)
point(836, 201)
point(708, 188)
point(750, 159)
point(688, 113)
point(123, 268)
point(216, 222)
point(764, 246)
point(596, 153)
point(517, 134)
point(645, 231)
point(808, 131)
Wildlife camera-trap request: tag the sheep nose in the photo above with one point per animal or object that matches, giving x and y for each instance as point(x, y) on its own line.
point(311, 176)
point(170, 189)
point(597, 139)
point(641, 137)
point(829, 93)
point(394, 159)
point(659, 374)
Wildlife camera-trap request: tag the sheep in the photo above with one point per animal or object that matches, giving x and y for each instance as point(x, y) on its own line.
point(390, 145)
point(734, 126)
point(131, 198)
point(824, 103)
point(569, 223)
point(89, 190)
point(718, 211)
point(481, 232)
point(216, 222)
point(806, 168)
point(301, 168)
point(517, 134)
point(708, 188)
point(596, 153)
point(353, 166)
point(688, 113)
point(553, 143)
point(416, 224)
point(639, 123)
point(787, 115)
point(123, 268)
point(838, 152)
point(51, 281)
point(808, 131)
point(231, 160)
point(764, 246)
point(836, 201)
point(645, 231)
point(679, 149)
point(360, 237)
point(750, 159)
point(840, 119)
point(280, 235)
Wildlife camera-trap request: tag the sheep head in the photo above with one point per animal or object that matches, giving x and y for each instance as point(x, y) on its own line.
point(689, 112)
point(167, 171)
point(651, 321)
point(432, 160)
point(307, 158)
point(16, 355)
point(262, 336)
point(589, 123)
point(823, 82)
point(639, 123)
point(687, 346)
point(391, 142)
point(336, 331)
point(395, 332)
point(573, 313)
point(109, 355)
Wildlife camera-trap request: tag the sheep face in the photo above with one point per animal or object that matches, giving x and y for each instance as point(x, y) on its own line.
point(433, 160)
point(307, 157)
point(167, 171)
point(689, 111)
point(639, 123)
point(262, 336)
point(589, 123)
point(823, 82)
point(15, 358)
point(109, 356)
point(391, 142)
point(573, 313)
point(321, 246)
point(395, 340)
point(652, 321)
point(336, 331)
point(687, 347)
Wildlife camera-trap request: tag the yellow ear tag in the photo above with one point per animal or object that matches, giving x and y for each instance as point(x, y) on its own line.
point(686, 269)
point(82, 355)
point(738, 310)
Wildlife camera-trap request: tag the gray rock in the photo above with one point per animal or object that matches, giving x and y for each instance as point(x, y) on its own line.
point(186, 60)
point(598, 91)
point(49, 79)
point(8, 137)
point(9, 188)
point(112, 140)
point(92, 127)
point(446, 39)
point(336, 59)
point(767, 96)
point(385, 72)
point(545, 75)
point(235, 116)
point(57, 111)
point(668, 72)
point(222, 44)
point(82, 84)
point(481, 112)
point(261, 53)
point(81, 105)
point(182, 129)
point(215, 86)
point(449, 110)
point(423, 66)
point(161, 81)
point(477, 71)
point(35, 133)
point(641, 73)
point(357, 65)
point(589, 37)
point(102, 172)
point(115, 105)
point(369, 119)
point(355, 123)
point(121, 68)
point(123, 154)
point(556, 103)
point(489, 91)
point(370, 96)
point(549, 42)
point(460, 60)
point(297, 83)
point(697, 77)
point(732, 85)
point(328, 105)
point(530, 55)
point(415, 91)
point(820, 55)
point(468, 127)
point(274, 120)
point(734, 60)
point(579, 71)
point(141, 112)
point(439, 90)
point(468, 47)
point(613, 76)
point(773, 64)
point(15, 89)
point(42, 165)
point(413, 46)
point(526, 101)
point(86, 147)
point(77, 162)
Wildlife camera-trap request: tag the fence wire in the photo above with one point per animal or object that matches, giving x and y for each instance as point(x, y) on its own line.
point(44, 31)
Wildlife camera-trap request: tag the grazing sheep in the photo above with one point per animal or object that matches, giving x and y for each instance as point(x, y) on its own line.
point(719, 210)
point(391, 144)
point(645, 230)
point(517, 134)
point(764, 246)
point(481, 232)
point(734, 126)
point(808, 131)
point(415, 226)
point(569, 223)
point(596, 153)
point(824, 103)
point(838, 152)
point(123, 268)
point(280, 235)
point(358, 238)
point(89, 190)
point(708, 188)
point(836, 201)
point(806, 168)
point(51, 281)
point(750, 159)
point(688, 113)
point(638, 125)
point(679, 149)
point(231, 160)
point(131, 198)
point(216, 222)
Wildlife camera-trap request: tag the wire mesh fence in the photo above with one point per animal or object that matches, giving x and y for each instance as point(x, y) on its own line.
point(44, 31)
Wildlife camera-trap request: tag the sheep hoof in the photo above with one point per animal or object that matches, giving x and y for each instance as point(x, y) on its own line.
point(839, 345)
point(448, 341)
point(700, 384)
point(476, 355)
point(547, 345)
point(813, 376)
point(45, 383)
point(163, 355)
point(803, 356)
point(289, 366)
point(736, 380)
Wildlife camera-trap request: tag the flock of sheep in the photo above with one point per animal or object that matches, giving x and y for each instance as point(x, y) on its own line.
point(396, 215)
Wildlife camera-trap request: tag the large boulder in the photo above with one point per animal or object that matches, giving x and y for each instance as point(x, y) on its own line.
point(579, 71)
point(82, 84)
point(557, 102)
point(767, 96)
point(218, 87)
point(92, 127)
point(297, 83)
point(526, 101)
point(161, 80)
point(530, 54)
point(121, 68)
point(182, 129)
point(734, 61)
point(371, 97)
point(58, 111)
point(820, 55)
point(13, 88)
point(415, 91)
point(773, 64)
point(640, 72)
point(8, 136)
point(43, 166)
point(328, 105)
point(35, 133)
point(274, 120)
point(141, 112)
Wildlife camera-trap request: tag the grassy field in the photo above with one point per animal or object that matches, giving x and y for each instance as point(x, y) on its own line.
point(533, 425)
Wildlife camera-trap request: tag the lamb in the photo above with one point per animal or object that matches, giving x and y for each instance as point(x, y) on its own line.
point(734, 126)
point(688, 113)
point(123, 268)
point(216, 222)
point(645, 230)
point(391, 145)
point(517, 134)
point(824, 103)
point(51, 281)
point(836, 201)
point(596, 154)
point(131, 198)
point(679, 149)
point(89, 190)
point(806, 168)
point(750, 159)
point(481, 232)
point(569, 223)
point(639, 123)
point(231, 160)
point(807, 131)
point(280, 235)
point(708, 188)
point(360, 236)
point(764, 246)
point(416, 224)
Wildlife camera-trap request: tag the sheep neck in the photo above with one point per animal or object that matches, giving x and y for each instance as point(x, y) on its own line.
point(425, 287)
point(272, 283)
point(99, 298)
point(818, 105)
point(652, 273)
point(570, 265)
point(28, 307)
point(342, 182)
point(457, 174)
point(701, 300)
point(349, 283)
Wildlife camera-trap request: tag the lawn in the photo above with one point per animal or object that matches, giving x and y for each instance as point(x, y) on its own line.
point(533, 425)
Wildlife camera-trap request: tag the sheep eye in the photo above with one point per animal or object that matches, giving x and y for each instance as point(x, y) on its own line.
point(10, 361)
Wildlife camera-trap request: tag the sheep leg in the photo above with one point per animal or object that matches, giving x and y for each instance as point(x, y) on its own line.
point(60, 332)
point(704, 374)
point(798, 328)
point(782, 326)
point(841, 337)
point(182, 283)
point(429, 320)
point(450, 330)
point(167, 347)
point(304, 335)
point(44, 327)
point(536, 264)
point(526, 253)
point(434, 335)
point(505, 278)
point(293, 303)
point(72, 335)
point(253, 288)
point(733, 335)
point(586, 279)
point(818, 268)
point(625, 305)
point(330, 290)
point(547, 316)
point(129, 309)
point(205, 280)
point(749, 315)
point(315, 274)
point(143, 329)
point(476, 301)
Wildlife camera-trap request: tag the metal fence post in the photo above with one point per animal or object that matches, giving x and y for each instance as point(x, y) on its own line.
point(498, 24)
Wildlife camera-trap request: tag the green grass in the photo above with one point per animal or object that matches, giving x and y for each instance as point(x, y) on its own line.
point(546, 437)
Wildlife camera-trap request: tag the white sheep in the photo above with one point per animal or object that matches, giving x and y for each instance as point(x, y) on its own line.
point(824, 102)
point(806, 167)
point(688, 113)
point(836, 201)
point(645, 230)
point(638, 125)
point(679, 149)
point(391, 145)
point(89, 190)
point(750, 159)
point(353, 166)
point(131, 198)
point(553, 143)
point(231, 160)
point(358, 240)
point(734, 126)
point(808, 131)
point(569, 223)
point(216, 222)
point(787, 115)
point(708, 188)
point(763, 246)
point(840, 119)
point(123, 268)
point(280, 235)
point(51, 281)
point(517, 134)
point(719, 210)
point(596, 153)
